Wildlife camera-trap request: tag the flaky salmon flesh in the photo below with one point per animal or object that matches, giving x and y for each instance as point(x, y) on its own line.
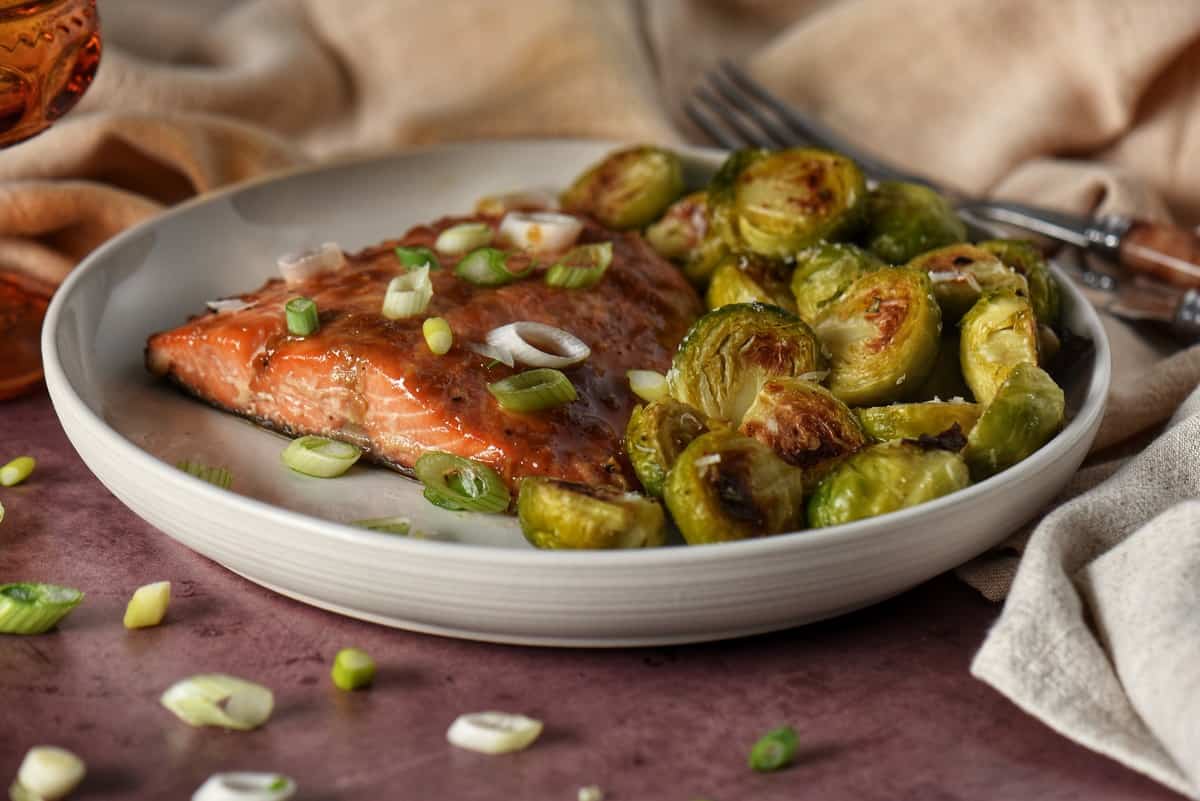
point(373, 382)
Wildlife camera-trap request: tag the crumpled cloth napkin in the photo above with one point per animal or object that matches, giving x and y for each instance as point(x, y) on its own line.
point(1080, 105)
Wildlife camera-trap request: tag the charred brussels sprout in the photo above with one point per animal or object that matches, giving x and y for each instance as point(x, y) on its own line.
point(904, 220)
point(998, 333)
point(883, 336)
point(1024, 257)
point(725, 486)
point(776, 203)
point(729, 352)
point(657, 433)
point(704, 260)
point(1027, 411)
point(679, 232)
point(747, 278)
point(946, 379)
point(961, 273)
point(823, 272)
point(886, 478)
point(913, 420)
point(628, 189)
point(804, 423)
point(558, 514)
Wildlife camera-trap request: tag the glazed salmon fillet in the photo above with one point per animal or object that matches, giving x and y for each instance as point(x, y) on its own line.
point(373, 382)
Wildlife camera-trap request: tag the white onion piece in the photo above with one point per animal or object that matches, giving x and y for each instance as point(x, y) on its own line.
point(488, 352)
point(49, 772)
point(245, 786)
point(228, 305)
point(298, 267)
point(493, 732)
point(539, 345)
point(540, 231)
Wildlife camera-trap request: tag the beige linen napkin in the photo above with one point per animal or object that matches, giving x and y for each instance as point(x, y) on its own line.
point(1080, 105)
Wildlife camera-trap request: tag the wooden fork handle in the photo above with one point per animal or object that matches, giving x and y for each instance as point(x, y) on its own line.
point(1163, 252)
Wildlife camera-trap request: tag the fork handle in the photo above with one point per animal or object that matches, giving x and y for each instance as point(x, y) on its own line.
point(1160, 251)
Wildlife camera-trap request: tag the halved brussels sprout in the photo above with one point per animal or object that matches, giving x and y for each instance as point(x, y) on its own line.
point(913, 420)
point(657, 433)
point(562, 514)
point(885, 478)
point(945, 381)
point(729, 352)
point(747, 278)
point(704, 260)
point(961, 273)
point(726, 486)
point(804, 423)
point(883, 336)
point(628, 189)
point(823, 272)
point(776, 203)
point(904, 220)
point(1025, 257)
point(1027, 411)
point(998, 333)
point(681, 229)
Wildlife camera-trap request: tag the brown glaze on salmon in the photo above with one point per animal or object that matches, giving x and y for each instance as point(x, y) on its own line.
point(372, 381)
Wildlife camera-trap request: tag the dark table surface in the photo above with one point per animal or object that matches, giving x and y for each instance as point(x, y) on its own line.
point(882, 699)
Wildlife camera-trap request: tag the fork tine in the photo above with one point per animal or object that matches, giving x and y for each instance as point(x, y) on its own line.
point(774, 133)
point(715, 131)
point(732, 118)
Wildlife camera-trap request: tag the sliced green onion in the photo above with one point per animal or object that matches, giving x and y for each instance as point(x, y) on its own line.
point(648, 385)
point(493, 732)
point(217, 476)
point(590, 793)
point(302, 318)
point(538, 344)
point(353, 669)
point(582, 266)
point(320, 457)
point(459, 484)
point(438, 335)
point(388, 525)
point(487, 267)
point(417, 257)
point(533, 390)
point(462, 238)
point(775, 750)
point(245, 786)
point(17, 471)
point(408, 294)
point(28, 608)
point(1, 512)
point(48, 772)
point(215, 699)
point(148, 606)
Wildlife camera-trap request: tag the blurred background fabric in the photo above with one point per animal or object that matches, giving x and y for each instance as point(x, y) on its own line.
point(1083, 105)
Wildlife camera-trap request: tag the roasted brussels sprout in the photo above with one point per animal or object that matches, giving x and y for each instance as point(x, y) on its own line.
point(729, 352)
point(628, 189)
point(1025, 413)
point(804, 423)
point(657, 433)
point(746, 278)
point(823, 272)
point(562, 514)
point(998, 333)
point(945, 381)
point(704, 260)
point(883, 335)
point(904, 220)
point(885, 478)
point(725, 486)
point(776, 203)
point(681, 229)
point(913, 420)
point(1024, 257)
point(961, 273)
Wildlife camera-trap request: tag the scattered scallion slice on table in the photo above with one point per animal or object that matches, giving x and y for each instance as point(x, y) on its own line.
point(581, 267)
point(217, 476)
point(320, 457)
point(353, 669)
point(487, 267)
point(148, 606)
point(590, 793)
point(463, 238)
point(493, 732)
point(29, 608)
point(533, 390)
point(16, 471)
point(438, 335)
point(388, 525)
point(538, 344)
point(775, 750)
point(302, 317)
point(215, 699)
point(409, 294)
point(1, 513)
point(459, 484)
point(417, 257)
point(47, 773)
point(648, 385)
point(245, 786)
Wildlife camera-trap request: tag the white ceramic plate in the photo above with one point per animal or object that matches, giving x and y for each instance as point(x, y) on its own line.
point(476, 578)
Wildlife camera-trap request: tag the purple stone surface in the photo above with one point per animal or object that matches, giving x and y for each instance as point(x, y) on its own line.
point(881, 699)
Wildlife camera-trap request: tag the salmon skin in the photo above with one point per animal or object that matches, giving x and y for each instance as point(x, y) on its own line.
point(373, 382)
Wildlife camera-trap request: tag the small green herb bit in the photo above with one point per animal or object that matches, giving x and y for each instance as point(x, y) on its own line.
point(417, 257)
point(302, 318)
point(353, 669)
point(16, 471)
point(774, 751)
